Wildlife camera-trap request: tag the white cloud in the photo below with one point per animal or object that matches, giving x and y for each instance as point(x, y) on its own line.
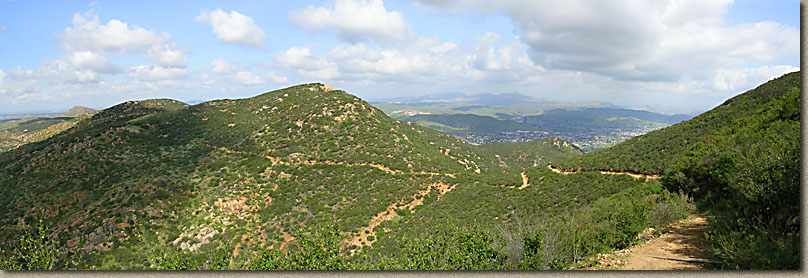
point(734, 80)
point(426, 60)
point(354, 20)
point(65, 71)
point(642, 40)
point(113, 37)
point(93, 61)
point(221, 66)
point(301, 59)
point(234, 27)
point(2, 27)
point(277, 78)
point(17, 82)
point(88, 42)
point(507, 58)
point(248, 78)
point(166, 55)
point(156, 73)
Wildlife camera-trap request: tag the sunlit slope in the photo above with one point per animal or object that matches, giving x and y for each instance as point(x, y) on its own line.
point(239, 174)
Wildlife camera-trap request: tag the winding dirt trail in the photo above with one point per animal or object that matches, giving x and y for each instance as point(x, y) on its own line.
point(631, 174)
point(417, 199)
point(362, 240)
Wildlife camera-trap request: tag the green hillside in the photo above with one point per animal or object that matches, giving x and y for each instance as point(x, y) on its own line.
point(741, 161)
point(467, 123)
point(309, 177)
point(298, 178)
point(533, 153)
point(312, 154)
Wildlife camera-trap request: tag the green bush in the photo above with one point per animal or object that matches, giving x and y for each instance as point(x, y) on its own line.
point(36, 249)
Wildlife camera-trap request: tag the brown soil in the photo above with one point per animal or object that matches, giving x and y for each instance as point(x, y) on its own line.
point(524, 181)
point(684, 240)
point(390, 213)
point(632, 174)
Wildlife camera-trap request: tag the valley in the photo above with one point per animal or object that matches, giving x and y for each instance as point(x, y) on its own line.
point(519, 118)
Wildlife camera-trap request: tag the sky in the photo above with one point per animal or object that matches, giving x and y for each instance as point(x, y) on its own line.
point(673, 55)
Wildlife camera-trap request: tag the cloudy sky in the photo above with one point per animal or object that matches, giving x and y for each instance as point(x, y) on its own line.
point(688, 55)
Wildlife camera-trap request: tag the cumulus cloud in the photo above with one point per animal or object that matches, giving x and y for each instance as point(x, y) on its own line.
point(641, 40)
point(306, 64)
point(424, 60)
point(113, 37)
point(93, 61)
point(734, 80)
point(354, 20)
point(166, 55)
point(234, 27)
point(88, 42)
point(248, 78)
point(156, 73)
point(221, 66)
point(277, 78)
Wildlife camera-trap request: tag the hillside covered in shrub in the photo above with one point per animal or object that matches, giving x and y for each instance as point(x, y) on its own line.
point(741, 161)
point(308, 177)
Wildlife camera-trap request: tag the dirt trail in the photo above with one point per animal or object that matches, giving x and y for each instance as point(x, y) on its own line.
point(390, 213)
point(681, 247)
point(632, 174)
point(276, 160)
point(524, 181)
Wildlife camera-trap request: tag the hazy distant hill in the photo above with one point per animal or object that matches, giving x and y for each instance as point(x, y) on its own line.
point(15, 133)
point(604, 116)
point(76, 111)
point(467, 123)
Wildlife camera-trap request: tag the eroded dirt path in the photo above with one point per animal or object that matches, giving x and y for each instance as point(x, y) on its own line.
point(408, 203)
point(680, 242)
point(631, 174)
point(684, 240)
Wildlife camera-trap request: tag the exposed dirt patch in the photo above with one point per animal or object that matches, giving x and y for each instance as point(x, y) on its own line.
point(631, 174)
point(524, 181)
point(388, 214)
point(682, 241)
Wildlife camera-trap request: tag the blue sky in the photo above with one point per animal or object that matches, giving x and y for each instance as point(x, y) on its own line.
point(684, 55)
